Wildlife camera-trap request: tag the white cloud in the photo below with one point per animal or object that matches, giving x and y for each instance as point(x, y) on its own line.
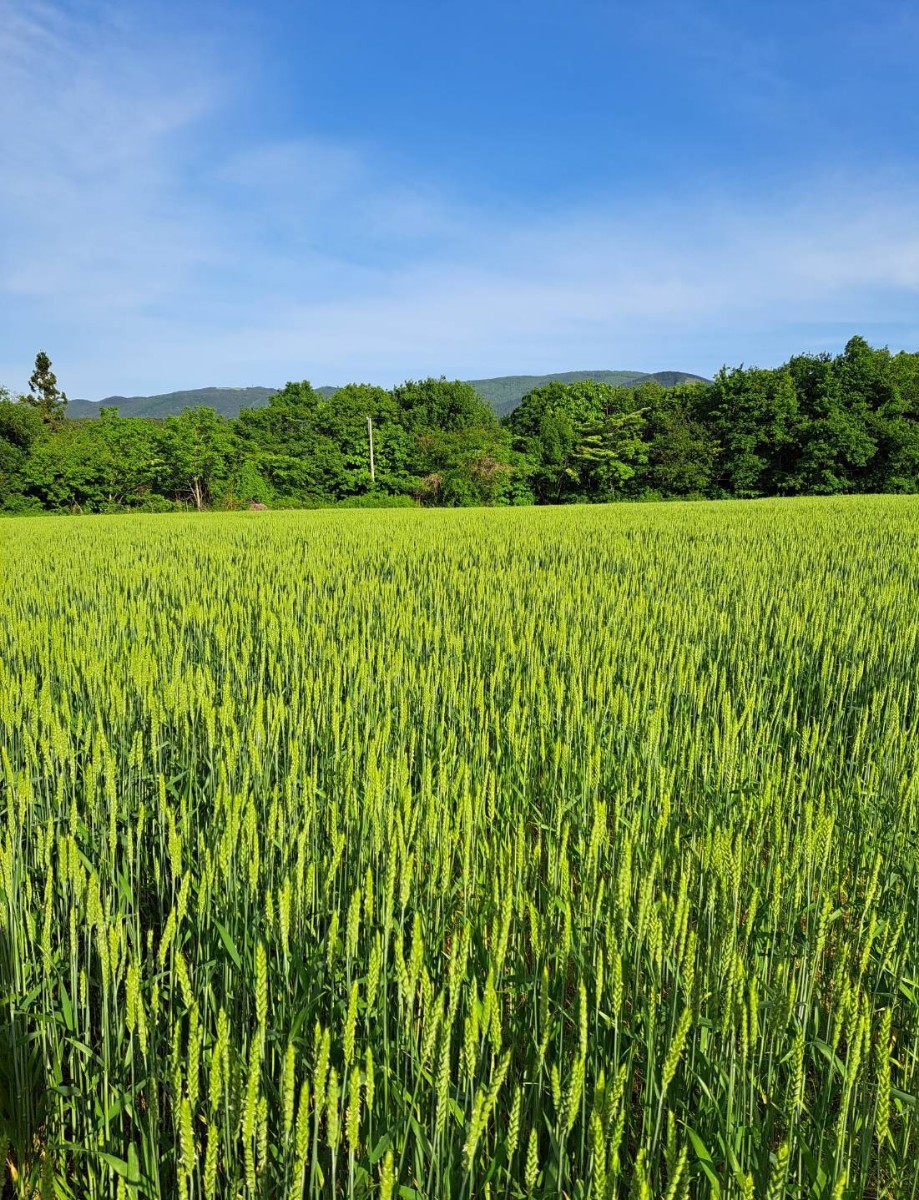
point(677, 287)
point(91, 209)
point(147, 253)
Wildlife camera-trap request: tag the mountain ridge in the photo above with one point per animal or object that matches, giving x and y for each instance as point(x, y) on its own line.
point(502, 392)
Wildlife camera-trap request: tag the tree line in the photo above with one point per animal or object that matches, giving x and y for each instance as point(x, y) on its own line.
point(817, 425)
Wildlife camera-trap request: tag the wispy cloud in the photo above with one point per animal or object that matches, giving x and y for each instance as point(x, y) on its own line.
point(595, 289)
point(93, 210)
point(148, 253)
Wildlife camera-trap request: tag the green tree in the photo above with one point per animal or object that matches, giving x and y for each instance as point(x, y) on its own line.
point(895, 428)
point(453, 444)
point(44, 394)
point(447, 405)
point(753, 416)
point(289, 445)
point(583, 441)
point(817, 424)
point(198, 449)
point(471, 466)
point(833, 443)
point(97, 465)
point(881, 396)
point(682, 451)
point(62, 472)
point(20, 429)
point(393, 443)
point(248, 485)
point(128, 457)
point(432, 438)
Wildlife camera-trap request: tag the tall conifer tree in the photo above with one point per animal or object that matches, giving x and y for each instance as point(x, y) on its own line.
point(44, 394)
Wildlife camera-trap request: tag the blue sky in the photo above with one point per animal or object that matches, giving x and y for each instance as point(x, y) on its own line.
point(243, 193)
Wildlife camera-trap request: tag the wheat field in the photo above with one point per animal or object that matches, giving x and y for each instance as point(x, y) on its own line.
point(510, 853)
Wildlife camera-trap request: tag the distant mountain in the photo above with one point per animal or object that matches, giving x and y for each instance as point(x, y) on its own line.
point(225, 400)
point(506, 392)
point(503, 393)
point(668, 379)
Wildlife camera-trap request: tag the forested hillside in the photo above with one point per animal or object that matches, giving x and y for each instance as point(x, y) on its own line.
point(817, 425)
point(503, 394)
point(228, 401)
point(507, 391)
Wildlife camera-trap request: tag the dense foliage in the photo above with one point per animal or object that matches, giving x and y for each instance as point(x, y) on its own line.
point(563, 852)
point(506, 391)
point(816, 426)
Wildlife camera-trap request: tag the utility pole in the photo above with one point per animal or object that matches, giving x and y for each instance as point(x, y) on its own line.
point(370, 436)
